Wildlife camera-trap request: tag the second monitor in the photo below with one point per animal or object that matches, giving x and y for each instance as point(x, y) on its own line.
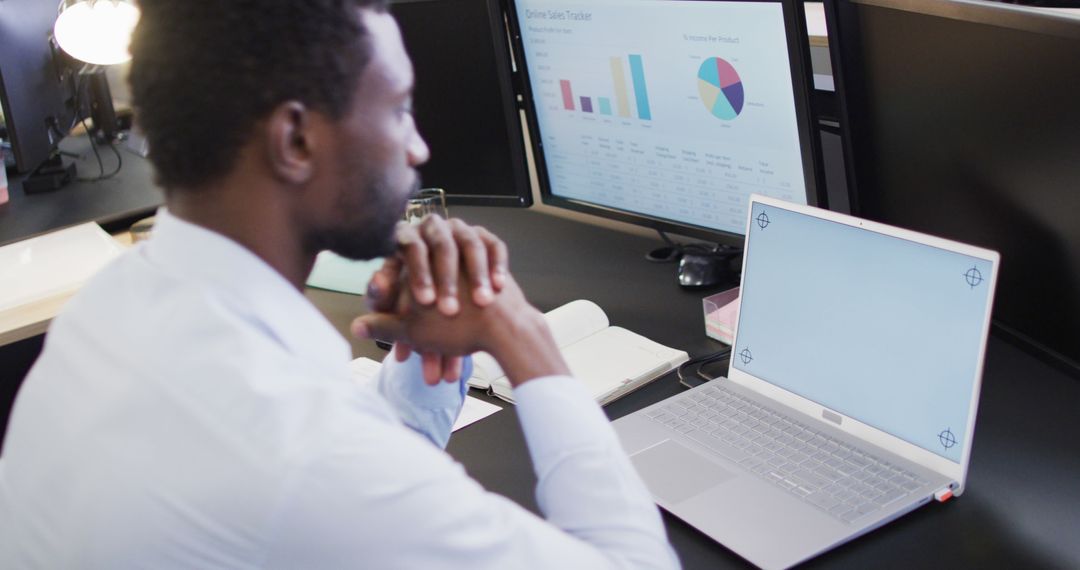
point(961, 120)
point(464, 103)
point(668, 113)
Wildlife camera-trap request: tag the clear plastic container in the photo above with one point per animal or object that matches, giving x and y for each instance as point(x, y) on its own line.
point(721, 313)
point(3, 181)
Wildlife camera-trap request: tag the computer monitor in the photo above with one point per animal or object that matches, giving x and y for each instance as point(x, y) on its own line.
point(463, 103)
point(38, 85)
point(668, 113)
point(961, 119)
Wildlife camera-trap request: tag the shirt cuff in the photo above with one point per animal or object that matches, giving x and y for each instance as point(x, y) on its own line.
point(429, 410)
point(405, 382)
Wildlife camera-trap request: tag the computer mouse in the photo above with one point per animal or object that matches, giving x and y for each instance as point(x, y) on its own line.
point(704, 270)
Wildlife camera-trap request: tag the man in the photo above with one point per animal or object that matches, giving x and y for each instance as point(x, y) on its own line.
point(191, 409)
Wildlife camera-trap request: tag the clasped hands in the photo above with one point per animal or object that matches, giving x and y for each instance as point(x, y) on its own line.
point(447, 293)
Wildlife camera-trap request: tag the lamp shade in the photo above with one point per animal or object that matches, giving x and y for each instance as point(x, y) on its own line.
point(96, 31)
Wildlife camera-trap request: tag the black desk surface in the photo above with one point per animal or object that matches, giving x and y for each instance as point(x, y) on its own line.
point(129, 194)
point(1022, 505)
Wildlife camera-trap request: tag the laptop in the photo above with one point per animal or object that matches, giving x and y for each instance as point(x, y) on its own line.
point(851, 394)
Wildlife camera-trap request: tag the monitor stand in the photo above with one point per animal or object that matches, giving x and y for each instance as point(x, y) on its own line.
point(53, 174)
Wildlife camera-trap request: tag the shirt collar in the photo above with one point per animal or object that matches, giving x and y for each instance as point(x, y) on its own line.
point(249, 286)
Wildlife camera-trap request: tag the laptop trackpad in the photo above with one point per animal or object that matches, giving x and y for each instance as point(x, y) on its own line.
point(674, 473)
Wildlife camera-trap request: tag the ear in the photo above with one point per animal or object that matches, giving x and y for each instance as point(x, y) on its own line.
point(291, 140)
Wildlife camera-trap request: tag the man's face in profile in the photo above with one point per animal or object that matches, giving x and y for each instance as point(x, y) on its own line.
point(371, 170)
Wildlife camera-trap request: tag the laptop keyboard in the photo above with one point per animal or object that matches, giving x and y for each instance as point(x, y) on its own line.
point(829, 474)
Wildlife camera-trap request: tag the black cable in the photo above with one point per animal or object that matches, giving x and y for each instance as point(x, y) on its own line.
point(710, 377)
point(673, 251)
point(701, 247)
point(670, 252)
point(119, 162)
point(77, 119)
point(78, 78)
point(667, 240)
point(700, 362)
point(101, 166)
point(93, 146)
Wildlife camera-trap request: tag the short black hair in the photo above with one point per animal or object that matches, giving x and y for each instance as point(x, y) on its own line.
point(204, 72)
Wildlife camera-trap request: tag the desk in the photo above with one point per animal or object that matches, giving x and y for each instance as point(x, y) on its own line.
point(1022, 507)
point(128, 195)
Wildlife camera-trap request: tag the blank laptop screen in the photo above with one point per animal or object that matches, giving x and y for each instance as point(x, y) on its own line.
point(878, 328)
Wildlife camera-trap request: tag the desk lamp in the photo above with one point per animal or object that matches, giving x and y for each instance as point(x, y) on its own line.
point(97, 32)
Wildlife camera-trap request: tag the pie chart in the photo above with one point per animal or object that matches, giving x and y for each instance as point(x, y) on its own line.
point(720, 88)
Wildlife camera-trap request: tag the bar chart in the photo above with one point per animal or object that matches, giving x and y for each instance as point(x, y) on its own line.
point(620, 90)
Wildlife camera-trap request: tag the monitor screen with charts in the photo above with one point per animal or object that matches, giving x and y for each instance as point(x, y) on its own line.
point(667, 113)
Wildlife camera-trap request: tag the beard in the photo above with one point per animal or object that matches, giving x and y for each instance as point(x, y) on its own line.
point(373, 234)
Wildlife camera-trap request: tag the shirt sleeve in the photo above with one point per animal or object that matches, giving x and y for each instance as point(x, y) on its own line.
point(384, 498)
point(586, 483)
point(429, 410)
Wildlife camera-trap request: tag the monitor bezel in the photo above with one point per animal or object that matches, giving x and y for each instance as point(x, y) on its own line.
point(501, 51)
point(799, 60)
point(845, 45)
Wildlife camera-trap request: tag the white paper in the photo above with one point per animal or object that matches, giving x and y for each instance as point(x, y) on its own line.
point(364, 369)
point(473, 411)
point(569, 324)
point(336, 273)
point(54, 263)
point(574, 321)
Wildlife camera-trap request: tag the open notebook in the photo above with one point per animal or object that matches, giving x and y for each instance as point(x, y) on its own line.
point(611, 361)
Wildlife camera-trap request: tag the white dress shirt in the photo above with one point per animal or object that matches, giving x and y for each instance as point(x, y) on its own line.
point(191, 409)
